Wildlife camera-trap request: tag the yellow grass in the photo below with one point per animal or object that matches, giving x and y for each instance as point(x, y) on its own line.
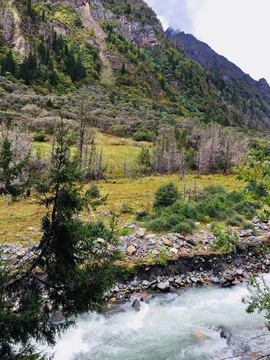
point(16, 218)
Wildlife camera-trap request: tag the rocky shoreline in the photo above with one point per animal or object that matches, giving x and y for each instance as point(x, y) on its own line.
point(192, 261)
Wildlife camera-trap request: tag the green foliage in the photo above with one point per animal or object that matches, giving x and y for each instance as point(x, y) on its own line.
point(166, 195)
point(145, 160)
point(143, 134)
point(125, 231)
point(256, 173)
point(259, 300)
point(39, 136)
point(10, 172)
point(78, 21)
point(141, 215)
point(119, 131)
point(225, 239)
point(163, 257)
point(213, 203)
point(126, 209)
point(93, 192)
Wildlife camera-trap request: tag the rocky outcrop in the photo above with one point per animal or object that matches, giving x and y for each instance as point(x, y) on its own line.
point(10, 25)
point(139, 33)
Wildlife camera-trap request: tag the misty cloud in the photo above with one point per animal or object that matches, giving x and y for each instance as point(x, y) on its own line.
point(173, 13)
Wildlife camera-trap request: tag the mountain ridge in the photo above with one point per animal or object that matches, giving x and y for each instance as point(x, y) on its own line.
point(202, 53)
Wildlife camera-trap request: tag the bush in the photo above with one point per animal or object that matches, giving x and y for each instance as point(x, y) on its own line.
point(78, 22)
point(93, 192)
point(214, 204)
point(225, 239)
point(142, 215)
point(144, 134)
point(166, 195)
point(39, 136)
point(125, 209)
point(119, 131)
point(236, 220)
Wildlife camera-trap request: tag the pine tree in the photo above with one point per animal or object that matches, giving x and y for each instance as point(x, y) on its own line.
point(9, 173)
point(29, 7)
point(65, 266)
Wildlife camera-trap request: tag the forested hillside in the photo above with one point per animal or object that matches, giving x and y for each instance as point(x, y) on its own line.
point(55, 48)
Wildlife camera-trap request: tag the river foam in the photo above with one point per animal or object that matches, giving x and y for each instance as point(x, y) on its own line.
point(170, 327)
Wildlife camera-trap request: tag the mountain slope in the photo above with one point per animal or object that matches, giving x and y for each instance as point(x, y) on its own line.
point(228, 71)
point(56, 47)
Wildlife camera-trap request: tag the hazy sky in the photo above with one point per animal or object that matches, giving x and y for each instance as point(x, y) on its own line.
point(237, 29)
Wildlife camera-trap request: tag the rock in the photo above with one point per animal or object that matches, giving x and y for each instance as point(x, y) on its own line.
point(246, 275)
point(197, 223)
point(141, 232)
point(131, 250)
point(163, 286)
point(215, 280)
point(167, 242)
point(30, 228)
point(172, 290)
point(99, 240)
point(143, 295)
point(13, 260)
point(136, 305)
point(174, 250)
point(180, 236)
point(199, 335)
point(155, 252)
point(145, 283)
point(148, 299)
point(150, 236)
point(191, 241)
point(179, 280)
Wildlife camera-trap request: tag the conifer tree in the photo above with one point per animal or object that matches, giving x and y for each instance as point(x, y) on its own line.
point(9, 172)
point(65, 268)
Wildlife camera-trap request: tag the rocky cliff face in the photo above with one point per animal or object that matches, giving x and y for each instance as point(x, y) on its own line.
point(208, 58)
point(10, 26)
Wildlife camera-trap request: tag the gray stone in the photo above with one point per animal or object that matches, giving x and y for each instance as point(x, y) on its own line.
point(136, 305)
point(145, 283)
point(215, 280)
point(163, 286)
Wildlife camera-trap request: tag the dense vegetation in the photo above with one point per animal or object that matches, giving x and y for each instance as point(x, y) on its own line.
point(61, 64)
point(178, 213)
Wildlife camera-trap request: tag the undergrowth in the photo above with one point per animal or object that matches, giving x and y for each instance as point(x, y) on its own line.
point(212, 203)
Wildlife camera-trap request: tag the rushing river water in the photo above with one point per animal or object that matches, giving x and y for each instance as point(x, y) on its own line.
point(170, 327)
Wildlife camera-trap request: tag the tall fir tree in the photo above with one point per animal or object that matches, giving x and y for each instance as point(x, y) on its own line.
point(65, 268)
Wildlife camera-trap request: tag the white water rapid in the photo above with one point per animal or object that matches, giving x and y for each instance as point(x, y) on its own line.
point(170, 327)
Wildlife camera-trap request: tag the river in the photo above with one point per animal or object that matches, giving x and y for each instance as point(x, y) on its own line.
point(171, 327)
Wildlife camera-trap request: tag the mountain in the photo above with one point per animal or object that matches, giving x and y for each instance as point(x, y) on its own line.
point(56, 47)
point(204, 55)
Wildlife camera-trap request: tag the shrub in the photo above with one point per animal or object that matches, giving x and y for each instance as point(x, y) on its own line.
point(144, 134)
point(141, 215)
point(166, 195)
point(93, 192)
point(126, 209)
point(236, 220)
point(78, 22)
point(225, 239)
point(39, 136)
point(119, 131)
